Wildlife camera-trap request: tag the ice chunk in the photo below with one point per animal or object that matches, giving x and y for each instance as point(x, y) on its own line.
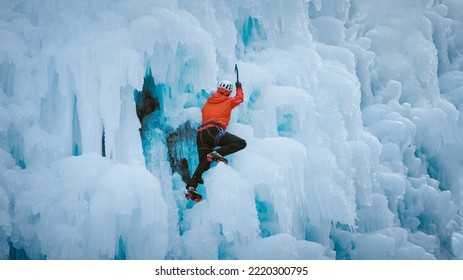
point(283, 247)
point(86, 205)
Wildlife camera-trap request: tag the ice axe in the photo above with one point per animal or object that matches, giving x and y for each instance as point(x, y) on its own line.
point(237, 74)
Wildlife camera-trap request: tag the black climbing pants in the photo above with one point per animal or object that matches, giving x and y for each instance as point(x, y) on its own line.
point(211, 137)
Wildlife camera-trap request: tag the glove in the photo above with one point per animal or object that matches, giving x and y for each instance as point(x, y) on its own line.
point(238, 85)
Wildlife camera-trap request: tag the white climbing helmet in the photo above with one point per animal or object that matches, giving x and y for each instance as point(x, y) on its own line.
point(226, 85)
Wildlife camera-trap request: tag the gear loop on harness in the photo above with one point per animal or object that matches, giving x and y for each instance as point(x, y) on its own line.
point(219, 136)
point(208, 125)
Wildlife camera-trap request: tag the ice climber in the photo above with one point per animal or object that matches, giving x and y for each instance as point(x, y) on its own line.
point(212, 133)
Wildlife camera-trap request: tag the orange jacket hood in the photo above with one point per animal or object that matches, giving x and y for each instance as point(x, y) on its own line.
point(217, 98)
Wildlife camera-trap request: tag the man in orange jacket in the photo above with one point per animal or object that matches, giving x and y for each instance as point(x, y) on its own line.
point(212, 133)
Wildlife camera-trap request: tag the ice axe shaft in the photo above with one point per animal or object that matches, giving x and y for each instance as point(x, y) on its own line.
point(237, 74)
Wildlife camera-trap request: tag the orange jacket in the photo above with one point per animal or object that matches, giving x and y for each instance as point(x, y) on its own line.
point(219, 106)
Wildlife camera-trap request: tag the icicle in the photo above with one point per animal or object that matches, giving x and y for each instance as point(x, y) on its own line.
point(76, 136)
point(103, 144)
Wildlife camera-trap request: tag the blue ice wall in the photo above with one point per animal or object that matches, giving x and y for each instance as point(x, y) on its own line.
point(179, 141)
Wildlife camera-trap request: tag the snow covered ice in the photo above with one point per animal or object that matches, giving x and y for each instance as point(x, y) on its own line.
point(352, 116)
